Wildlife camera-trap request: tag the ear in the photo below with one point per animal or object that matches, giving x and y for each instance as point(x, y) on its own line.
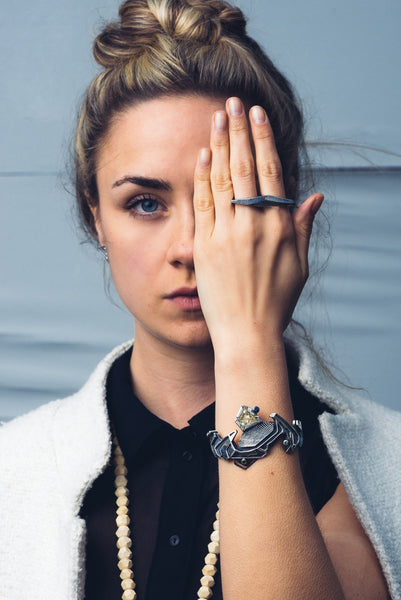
point(95, 210)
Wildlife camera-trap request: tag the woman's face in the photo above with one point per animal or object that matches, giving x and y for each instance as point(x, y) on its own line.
point(145, 214)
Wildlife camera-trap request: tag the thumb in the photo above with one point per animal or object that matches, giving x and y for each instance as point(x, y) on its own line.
point(303, 223)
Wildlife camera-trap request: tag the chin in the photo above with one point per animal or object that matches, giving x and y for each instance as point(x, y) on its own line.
point(196, 338)
point(188, 336)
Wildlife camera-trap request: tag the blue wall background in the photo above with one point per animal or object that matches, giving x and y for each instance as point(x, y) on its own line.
point(55, 319)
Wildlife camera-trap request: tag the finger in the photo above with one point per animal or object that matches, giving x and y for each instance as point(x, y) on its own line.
point(303, 223)
point(268, 165)
point(203, 197)
point(220, 176)
point(242, 164)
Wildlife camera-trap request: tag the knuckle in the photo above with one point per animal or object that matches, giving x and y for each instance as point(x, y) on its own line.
point(202, 176)
point(262, 133)
point(244, 169)
point(238, 126)
point(221, 182)
point(272, 170)
point(219, 141)
point(203, 204)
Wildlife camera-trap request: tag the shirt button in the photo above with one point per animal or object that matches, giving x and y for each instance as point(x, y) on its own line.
point(174, 540)
point(187, 455)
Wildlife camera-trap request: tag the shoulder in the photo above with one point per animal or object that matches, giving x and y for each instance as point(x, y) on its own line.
point(25, 436)
point(59, 436)
point(342, 400)
point(41, 416)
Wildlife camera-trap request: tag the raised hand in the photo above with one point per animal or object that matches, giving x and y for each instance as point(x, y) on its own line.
point(251, 264)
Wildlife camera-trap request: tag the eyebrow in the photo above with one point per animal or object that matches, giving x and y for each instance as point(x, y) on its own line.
point(147, 182)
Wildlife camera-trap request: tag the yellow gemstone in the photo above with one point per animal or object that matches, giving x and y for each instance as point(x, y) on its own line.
point(246, 417)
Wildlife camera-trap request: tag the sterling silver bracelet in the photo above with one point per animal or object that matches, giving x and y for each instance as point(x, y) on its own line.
point(256, 439)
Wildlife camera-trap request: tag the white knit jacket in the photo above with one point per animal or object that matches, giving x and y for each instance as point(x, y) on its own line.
point(51, 456)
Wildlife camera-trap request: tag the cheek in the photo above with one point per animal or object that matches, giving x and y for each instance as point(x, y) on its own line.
point(135, 262)
point(131, 275)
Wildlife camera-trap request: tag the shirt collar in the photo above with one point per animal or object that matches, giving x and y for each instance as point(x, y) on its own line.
point(133, 423)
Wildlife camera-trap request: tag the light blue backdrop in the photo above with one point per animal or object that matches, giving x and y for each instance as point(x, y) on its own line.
point(55, 319)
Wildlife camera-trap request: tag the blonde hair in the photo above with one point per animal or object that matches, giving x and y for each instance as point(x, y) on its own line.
point(170, 47)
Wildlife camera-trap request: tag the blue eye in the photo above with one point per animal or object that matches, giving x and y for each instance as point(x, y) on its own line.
point(147, 205)
point(144, 206)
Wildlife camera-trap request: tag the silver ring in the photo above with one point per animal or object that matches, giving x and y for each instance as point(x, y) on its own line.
point(265, 201)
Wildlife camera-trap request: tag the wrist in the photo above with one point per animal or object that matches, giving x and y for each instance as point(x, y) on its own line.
point(242, 350)
point(253, 372)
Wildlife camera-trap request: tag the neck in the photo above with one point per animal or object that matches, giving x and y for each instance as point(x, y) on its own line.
point(174, 383)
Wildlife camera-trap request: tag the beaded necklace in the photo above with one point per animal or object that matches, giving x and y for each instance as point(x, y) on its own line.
point(124, 541)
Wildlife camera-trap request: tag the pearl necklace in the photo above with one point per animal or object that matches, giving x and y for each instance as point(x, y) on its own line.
point(124, 541)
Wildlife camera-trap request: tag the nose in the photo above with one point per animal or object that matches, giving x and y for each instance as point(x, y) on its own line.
point(180, 251)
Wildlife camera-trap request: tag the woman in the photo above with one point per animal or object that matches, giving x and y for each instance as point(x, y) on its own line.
point(187, 115)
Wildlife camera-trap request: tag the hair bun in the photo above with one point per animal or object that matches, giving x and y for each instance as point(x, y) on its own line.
point(144, 24)
point(205, 21)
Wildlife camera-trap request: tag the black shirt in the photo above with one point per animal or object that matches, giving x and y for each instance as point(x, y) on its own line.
point(173, 483)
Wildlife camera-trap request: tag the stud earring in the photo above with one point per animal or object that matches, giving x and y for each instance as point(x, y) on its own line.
point(103, 251)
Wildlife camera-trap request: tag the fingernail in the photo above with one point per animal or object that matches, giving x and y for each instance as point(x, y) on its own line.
point(317, 204)
point(235, 107)
point(220, 120)
point(204, 157)
point(258, 115)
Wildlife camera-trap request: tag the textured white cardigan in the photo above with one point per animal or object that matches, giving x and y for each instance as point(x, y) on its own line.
point(51, 456)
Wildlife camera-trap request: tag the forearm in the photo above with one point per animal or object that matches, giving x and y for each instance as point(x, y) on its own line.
point(250, 268)
point(271, 546)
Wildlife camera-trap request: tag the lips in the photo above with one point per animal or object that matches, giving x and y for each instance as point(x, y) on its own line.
point(185, 298)
point(183, 291)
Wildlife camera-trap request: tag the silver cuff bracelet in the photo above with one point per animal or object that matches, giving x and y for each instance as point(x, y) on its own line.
point(256, 439)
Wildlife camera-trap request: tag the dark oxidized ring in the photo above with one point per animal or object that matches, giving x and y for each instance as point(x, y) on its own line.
point(265, 201)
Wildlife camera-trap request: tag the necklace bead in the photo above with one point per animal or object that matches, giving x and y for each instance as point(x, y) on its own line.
point(129, 595)
point(209, 570)
point(122, 520)
point(124, 541)
point(124, 553)
point(125, 563)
